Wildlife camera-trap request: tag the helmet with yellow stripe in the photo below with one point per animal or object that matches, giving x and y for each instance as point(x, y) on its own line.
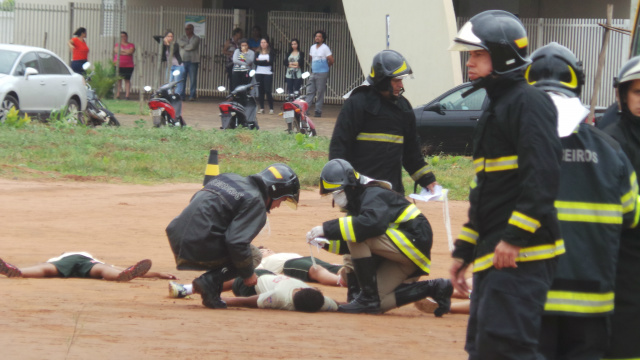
point(281, 182)
point(501, 34)
point(556, 68)
point(336, 175)
point(388, 64)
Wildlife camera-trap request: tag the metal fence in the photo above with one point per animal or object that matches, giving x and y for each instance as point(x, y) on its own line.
point(51, 26)
point(584, 38)
point(345, 74)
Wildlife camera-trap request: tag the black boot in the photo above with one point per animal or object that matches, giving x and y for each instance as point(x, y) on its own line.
point(438, 289)
point(367, 301)
point(209, 286)
point(353, 288)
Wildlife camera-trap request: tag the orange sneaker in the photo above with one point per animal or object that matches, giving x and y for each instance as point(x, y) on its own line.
point(9, 270)
point(137, 270)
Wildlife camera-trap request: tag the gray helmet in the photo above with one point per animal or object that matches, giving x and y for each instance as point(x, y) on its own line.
point(388, 64)
point(554, 67)
point(336, 175)
point(630, 71)
point(282, 182)
point(501, 34)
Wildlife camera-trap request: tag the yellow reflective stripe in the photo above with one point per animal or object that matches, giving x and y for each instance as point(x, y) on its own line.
point(407, 248)
point(396, 139)
point(533, 253)
point(524, 222)
point(327, 185)
point(522, 42)
point(410, 213)
point(636, 218)
point(501, 163)
point(579, 302)
point(589, 212)
point(334, 247)
point(212, 170)
point(478, 165)
point(628, 201)
point(275, 172)
point(420, 173)
point(346, 228)
point(469, 235)
point(401, 68)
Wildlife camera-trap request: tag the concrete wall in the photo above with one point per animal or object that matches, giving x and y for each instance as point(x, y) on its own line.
point(547, 8)
point(422, 35)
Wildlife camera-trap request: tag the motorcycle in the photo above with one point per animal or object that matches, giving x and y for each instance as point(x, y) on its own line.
point(96, 112)
point(166, 105)
point(240, 107)
point(294, 112)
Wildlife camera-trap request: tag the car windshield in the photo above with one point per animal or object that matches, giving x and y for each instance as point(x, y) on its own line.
point(7, 59)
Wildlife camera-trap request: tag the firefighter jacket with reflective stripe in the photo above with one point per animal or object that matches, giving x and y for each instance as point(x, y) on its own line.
point(378, 137)
point(219, 223)
point(375, 211)
point(516, 155)
point(597, 198)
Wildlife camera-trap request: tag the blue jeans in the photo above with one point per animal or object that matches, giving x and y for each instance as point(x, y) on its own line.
point(191, 69)
point(180, 77)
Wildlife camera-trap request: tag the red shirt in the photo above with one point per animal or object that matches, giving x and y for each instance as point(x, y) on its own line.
point(81, 50)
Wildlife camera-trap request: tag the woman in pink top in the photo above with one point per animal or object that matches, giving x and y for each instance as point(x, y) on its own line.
point(126, 63)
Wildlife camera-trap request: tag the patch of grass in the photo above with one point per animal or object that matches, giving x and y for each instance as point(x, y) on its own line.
point(146, 155)
point(126, 106)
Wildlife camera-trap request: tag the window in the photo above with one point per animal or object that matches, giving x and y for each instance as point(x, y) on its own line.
point(455, 101)
point(113, 17)
point(7, 59)
point(51, 65)
point(28, 60)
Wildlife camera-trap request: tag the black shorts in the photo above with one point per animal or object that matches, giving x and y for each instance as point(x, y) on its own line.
point(78, 266)
point(240, 289)
point(299, 268)
point(125, 73)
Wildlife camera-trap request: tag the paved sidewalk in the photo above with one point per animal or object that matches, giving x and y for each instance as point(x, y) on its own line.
point(204, 114)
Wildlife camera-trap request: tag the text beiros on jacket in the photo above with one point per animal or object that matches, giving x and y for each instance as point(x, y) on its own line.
point(597, 198)
point(376, 211)
point(516, 158)
point(219, 223)
point(379, 138)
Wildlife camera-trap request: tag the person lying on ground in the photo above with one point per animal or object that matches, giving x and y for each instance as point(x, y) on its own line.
point(301, 267)
point(272, 291)
point(82, 265)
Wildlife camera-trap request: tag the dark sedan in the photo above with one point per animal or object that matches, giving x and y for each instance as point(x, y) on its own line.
point(446, 124)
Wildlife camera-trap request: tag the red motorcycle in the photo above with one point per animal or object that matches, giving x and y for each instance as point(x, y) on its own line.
point(294, 112)
point(166, 105)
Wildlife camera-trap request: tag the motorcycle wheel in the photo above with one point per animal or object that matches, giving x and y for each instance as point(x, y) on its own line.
point(112, 118)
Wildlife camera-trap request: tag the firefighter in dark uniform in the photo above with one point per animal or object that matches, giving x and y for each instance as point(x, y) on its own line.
point(512, 237)
point(597, 199)
point(389, 240)
point(376, 128)
point(214, 232)
point(625, 322)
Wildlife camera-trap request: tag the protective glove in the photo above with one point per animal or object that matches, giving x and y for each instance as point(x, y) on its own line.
point(318, 242)
point(314, 233)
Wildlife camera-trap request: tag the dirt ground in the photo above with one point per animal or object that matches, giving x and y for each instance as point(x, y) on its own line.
point(121, 224)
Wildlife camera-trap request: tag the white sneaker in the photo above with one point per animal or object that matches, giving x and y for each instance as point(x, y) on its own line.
point(426, 305)
point(261, 111)
point(271, 112)
point(177, 290)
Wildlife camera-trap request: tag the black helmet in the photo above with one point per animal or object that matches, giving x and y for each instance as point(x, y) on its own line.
point(388, 64)
point(501, 34)
point(336, 175)
point(554, 67)
point(281, 182)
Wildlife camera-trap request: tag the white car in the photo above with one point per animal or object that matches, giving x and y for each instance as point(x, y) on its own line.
point(36, 81)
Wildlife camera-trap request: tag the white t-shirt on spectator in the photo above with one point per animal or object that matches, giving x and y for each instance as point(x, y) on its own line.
point(319, 55)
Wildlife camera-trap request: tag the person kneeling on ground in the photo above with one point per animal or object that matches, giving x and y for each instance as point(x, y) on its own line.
point(82, 265)
point(377, 229)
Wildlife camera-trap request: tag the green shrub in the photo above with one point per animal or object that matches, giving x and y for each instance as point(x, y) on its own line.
point(14, 120)
point(103, 78)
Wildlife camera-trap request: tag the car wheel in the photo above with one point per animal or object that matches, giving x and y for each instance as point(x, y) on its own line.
point(73, 112)
point(8, 102)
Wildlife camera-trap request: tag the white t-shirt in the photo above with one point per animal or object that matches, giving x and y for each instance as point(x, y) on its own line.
point(276, 292)
point(266, 70)
point(319, 55)
point(275, 262)
point(74, 253)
